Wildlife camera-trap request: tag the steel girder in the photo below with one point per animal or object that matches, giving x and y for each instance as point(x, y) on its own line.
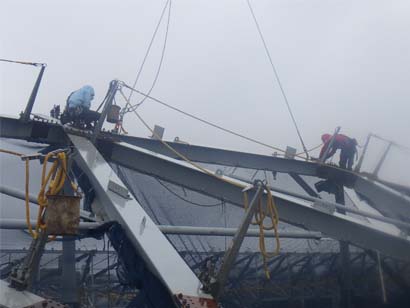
point(389, 203)
point(119, 205)
point(292, 210)
point(225, 157)
point(35, 131)
point(386, 201)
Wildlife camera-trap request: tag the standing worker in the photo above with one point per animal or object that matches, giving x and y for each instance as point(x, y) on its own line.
point(347, 147)
point(78, 108)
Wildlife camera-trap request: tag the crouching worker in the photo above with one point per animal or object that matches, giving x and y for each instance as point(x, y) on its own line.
point(77, 109)
point(347, 147)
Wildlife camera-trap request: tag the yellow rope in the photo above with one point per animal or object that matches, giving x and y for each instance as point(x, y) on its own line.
point(260, 215)
point(27, 182)
point(51, 184)
point(56, 176)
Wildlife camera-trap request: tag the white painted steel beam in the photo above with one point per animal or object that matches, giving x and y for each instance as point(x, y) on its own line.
point(11, 298)
point(148, 240)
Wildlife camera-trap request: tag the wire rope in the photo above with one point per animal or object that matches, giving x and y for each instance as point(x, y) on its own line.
point(160, 62)
point(204, 121)
point(22, 62)
point(277, 78)
point(149, 49)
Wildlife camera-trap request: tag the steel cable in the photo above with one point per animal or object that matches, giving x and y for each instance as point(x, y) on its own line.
point(278, 79)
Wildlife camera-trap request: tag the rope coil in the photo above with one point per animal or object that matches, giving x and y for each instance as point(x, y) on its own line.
point(271, 211)
point(51, 184)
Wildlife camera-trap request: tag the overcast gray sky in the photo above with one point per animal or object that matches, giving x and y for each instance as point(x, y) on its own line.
point(341, 63)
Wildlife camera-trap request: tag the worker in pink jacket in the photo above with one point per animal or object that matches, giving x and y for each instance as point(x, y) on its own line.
point(347, 147)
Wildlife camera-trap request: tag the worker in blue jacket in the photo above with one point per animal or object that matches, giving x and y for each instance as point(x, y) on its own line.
point(78, 108)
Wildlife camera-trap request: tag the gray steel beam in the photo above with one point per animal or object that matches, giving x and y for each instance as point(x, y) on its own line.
point(292, 210)
point(305, 186)
point(69, 293)
point(108, 103)
point(346, 274)
point(385, 200)
point(35, 131)
point(232, 252)
point(225, 157)
point(398, 206)
point(25, 116)
point(382, 159)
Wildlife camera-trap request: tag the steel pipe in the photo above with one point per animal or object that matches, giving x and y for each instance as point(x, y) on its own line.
point(217, 231)
point(13, 192)
point(20, 224)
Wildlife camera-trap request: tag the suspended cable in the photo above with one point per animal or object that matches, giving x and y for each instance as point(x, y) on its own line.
point(204, 121)
point(22, 62)
point(277, 78)
point(149, 49)
point(160, 62)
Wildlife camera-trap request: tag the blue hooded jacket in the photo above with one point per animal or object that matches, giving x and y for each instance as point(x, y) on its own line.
point(81, 97)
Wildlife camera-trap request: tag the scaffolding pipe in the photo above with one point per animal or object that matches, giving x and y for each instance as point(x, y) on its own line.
point(20, 224)
point(12, 192)
point(86, 215)
point(215, 231)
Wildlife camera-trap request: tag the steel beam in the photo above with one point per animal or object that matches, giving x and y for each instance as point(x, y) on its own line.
point(69, 293)
point(157, 252)
point(25, 116)
point(386, 201)
point(12, 298)
point(346, 274)
point(293, 210)
point(225, 157)
point(112, 90)
point(232, 252)
point(305, 186)
point(329, 204)
point(35, 131)
point(397, 207)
